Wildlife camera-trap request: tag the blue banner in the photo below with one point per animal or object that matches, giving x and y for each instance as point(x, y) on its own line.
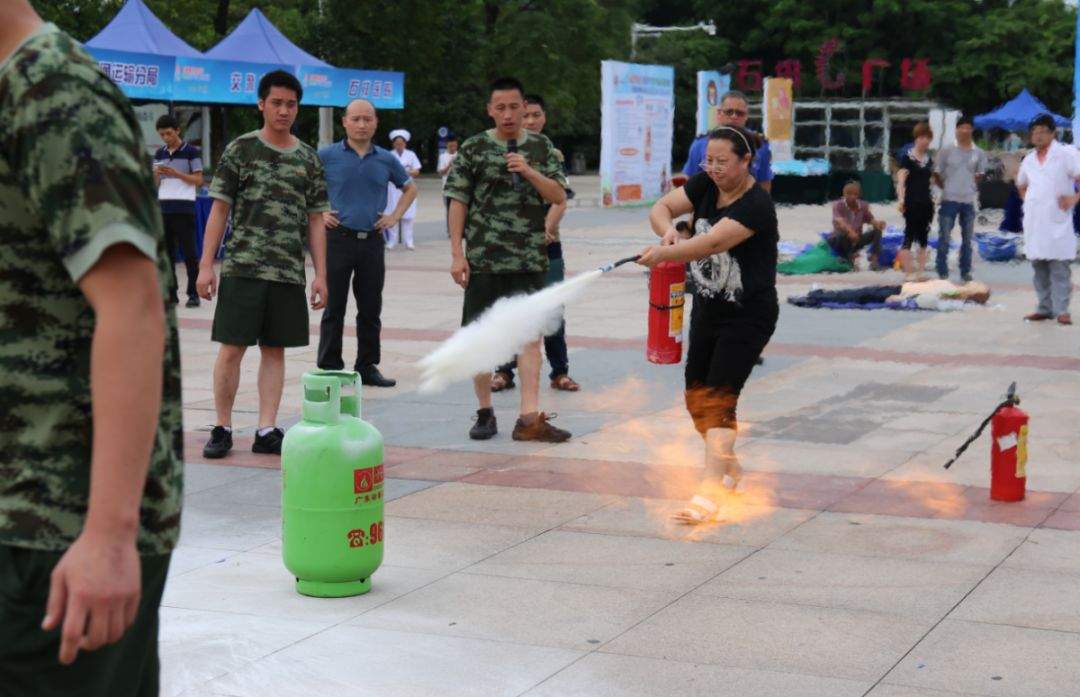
point(220, 82)
point(138, 75)
point(339, 86)
point(206, 81)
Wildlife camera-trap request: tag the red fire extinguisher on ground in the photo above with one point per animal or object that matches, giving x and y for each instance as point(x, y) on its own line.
point(1008, 449)
point(667, 293)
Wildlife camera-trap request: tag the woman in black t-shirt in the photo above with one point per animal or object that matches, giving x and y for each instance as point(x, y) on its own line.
point(731, 247)
point(913, 190)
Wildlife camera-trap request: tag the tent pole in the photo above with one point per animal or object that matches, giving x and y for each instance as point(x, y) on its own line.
point(326, 125)
point(205, 121)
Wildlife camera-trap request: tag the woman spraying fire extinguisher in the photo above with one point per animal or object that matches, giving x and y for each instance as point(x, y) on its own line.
point(731, 248)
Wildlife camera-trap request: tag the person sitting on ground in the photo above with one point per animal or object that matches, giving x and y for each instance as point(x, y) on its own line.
point(855, 227)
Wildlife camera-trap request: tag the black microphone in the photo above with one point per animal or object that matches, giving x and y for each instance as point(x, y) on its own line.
point(511, 146)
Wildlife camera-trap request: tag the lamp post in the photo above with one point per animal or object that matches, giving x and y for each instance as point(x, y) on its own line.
point(649, 30)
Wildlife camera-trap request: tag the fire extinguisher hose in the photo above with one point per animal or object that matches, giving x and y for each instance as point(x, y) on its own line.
point(1010, 400)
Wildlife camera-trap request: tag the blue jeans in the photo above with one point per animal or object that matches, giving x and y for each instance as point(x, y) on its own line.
point(947, 215)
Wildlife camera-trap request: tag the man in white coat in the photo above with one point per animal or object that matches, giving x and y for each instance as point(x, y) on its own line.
point(1046, 182)
point(408, 159)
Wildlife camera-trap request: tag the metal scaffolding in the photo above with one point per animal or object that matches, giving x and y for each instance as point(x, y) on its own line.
point(873, 119)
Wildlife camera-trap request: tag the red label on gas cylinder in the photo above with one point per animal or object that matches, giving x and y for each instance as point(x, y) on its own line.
point(364, 480)
point(378, 475)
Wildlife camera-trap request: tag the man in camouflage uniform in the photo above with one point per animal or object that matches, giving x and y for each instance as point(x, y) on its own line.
point(90, 415)
point(554, 344)
point(276, 189)
point(500, 186)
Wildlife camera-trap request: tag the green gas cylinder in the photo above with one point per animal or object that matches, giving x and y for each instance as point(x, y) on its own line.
point(332, 490)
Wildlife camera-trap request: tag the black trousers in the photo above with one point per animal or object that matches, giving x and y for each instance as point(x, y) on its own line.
point(358, 259)
point(180, 230)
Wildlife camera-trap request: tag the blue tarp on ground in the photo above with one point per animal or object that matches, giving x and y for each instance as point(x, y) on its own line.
point(256, 40)
point(1017, 113)
point(135, 29)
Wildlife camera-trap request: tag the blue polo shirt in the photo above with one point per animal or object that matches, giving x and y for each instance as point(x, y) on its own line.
point(357, 185)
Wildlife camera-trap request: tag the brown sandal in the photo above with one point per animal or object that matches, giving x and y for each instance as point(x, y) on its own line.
point(565, 383)
point(501, 381)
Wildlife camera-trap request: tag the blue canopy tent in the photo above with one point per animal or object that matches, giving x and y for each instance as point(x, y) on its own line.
point(1017, 113)
point(256, 40)
point(136, 29)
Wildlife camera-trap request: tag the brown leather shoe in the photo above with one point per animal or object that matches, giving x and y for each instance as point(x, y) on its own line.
point(1036, 317)
point(1065, 318)
point(540, 430)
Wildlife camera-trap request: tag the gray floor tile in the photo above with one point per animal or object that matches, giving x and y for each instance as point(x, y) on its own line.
point(825, 642)
point(987, 659)
point(612, 675)
point(542, 613)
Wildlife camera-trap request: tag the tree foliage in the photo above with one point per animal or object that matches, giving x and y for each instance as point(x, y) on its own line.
point(981, 52)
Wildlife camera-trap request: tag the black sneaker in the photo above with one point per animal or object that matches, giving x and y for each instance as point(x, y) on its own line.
point(372, 376)
point(192, 301)
point(485, 426)
point(270, 444)
point(220, 443)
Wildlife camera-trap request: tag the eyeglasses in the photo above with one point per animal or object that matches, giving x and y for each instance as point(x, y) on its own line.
point(711, 165)
point(734, 112)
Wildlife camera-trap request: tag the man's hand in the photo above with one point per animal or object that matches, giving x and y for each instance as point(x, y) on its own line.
point(900, 205)
point(551, 233)
point(879, 225)
point(94, 592)
point(516, 162)
point(318, 293)
point(387, 221)
point(330, 219)
point(459, 271)
point(206, 283)
point(1067, 202)
point(651, 256)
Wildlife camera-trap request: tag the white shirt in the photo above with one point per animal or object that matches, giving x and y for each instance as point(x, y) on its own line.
point(408, 160)
point(1048, 230)
point(445, 160)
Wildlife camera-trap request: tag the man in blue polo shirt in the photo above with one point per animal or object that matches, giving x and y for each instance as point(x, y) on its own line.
point(734, 111)
point(178, 173)
point(357, 173)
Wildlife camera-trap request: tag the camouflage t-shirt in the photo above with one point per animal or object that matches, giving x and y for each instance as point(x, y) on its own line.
point(271, 190)
point(74, 180)
point(504, 229)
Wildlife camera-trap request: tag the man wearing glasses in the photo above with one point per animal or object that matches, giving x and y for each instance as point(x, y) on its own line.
point(734, 111)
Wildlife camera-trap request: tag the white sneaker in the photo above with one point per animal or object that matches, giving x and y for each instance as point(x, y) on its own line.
point(410, 247)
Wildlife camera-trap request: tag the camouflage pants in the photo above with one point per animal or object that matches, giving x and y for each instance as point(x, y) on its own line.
point(28, 655)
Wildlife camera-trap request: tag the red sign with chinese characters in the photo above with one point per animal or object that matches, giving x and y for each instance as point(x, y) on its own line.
point(915, 74)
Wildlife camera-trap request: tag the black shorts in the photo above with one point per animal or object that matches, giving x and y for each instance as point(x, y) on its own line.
point(917, 219)
point(28, 665)
point(252, 311)
point(719, 360)
point(486, 288)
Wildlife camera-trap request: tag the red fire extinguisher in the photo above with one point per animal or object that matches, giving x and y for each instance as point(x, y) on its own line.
point(667, 293)
point(1008, 453)
point(1008, 449)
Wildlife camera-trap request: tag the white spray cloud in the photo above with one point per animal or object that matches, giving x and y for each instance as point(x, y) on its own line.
point(500, 333)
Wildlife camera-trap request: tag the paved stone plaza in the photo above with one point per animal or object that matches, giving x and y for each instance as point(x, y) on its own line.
point(852, 564)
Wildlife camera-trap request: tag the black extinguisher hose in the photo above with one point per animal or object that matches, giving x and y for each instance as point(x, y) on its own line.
point(1010, 400)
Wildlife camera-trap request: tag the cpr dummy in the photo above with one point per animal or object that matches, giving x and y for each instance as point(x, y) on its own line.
point(943, 295)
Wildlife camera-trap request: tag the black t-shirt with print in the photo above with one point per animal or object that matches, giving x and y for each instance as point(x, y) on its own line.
point(741, 281)
point(917, 186)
